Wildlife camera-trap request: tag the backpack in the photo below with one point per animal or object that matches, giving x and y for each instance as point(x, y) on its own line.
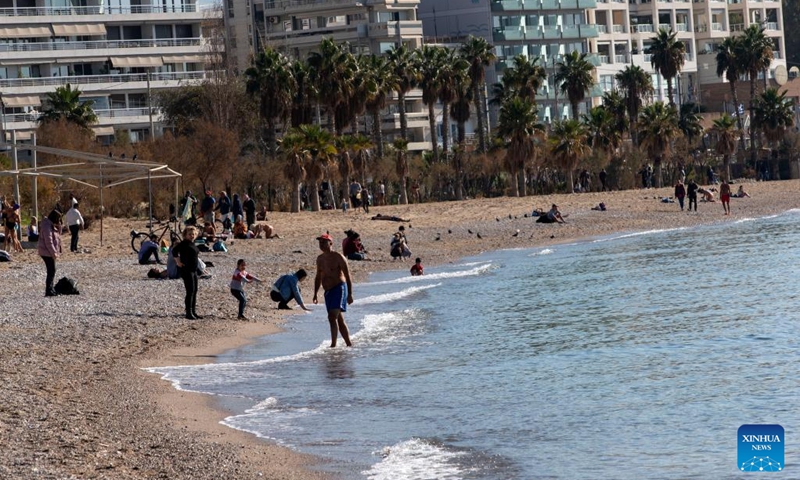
point(67, 286)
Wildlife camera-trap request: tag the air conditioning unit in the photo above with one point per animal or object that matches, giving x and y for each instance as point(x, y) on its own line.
point(274, 20)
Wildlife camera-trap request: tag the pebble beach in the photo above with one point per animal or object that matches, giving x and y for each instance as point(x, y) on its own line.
point(76, 403)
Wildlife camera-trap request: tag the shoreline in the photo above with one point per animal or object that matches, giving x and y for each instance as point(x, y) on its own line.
point(61, 367)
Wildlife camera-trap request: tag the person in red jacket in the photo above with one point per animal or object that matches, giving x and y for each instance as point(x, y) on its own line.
point(416, 269)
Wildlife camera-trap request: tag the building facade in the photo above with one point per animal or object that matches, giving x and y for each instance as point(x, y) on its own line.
point(114, 52)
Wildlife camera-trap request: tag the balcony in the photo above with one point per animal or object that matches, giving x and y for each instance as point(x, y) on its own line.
point(517, 5)
point(413, 120)
point(396, 29)
point(618, 28)
point(621, 58)
point(717, 27)
point(602, 60)
point(579, 31)
point(95, 10)
point(771, 26)
point(643, 28)
point(103, 115)
point(98, 79)
point(776, 55)
point(506, 5)
point(100, 45)
point(737, 27)
point(511, 34)
point(688, 56)
point(602, 28)
point(681, 27)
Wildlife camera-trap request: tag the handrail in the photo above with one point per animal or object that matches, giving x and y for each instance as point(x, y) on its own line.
point(94, 79)
point(95, 10)
point(101, 44)
point(102, 113)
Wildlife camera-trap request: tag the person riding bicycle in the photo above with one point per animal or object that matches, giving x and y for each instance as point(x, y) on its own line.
point(149, 249)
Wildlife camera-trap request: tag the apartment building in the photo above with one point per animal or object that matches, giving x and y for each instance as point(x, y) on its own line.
point(615, 33)
point(113, 51)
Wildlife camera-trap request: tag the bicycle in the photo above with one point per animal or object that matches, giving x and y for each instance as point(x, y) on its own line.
point(138, 237)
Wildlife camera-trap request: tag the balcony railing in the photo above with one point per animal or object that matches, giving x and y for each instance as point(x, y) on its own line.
point(603, 59)
point(602, 28)
point(688, 56)
point(681, 27)
point(102, 113)
point(737, 27)
point(643, 28)
point(95, 10)
point(618, 28)
point(95, 79)
point(717, 27)
point(100, 44)
point(776, 55)
point(621, 58)
point(771, 26)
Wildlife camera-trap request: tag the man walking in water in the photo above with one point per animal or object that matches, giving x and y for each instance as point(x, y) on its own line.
point(334, 276)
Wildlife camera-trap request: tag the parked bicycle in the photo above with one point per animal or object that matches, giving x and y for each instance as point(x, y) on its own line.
point(165, 232)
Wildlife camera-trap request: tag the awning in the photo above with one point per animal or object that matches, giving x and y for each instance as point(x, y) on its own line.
point(131, 62)
point(20, 136)
point(32, 101)
point(79, 29)
point(28, 61)
point(25, 32)
point(185, 59)
point(101, 131)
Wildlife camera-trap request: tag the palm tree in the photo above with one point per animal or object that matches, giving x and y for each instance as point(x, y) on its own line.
point(343, 145)
point(321, 149)
point(636, 85)
point(380, 71)
point(774, 114)
point(401, 167)
point(729, 66)
point(293, 146)
point(518, 126)
point(361, 146)
point(725, 130)
point(754, 55)
point(568, 145)
point(574, 75)
point(480, 54)
point(304, 94)
point(429, 61)
point(603, 134)
point(270, 80)
point(658, 127)
point(333, 68)
point(402, 64)
point(667, 57)
point(65, 102)
point(617, 106)
point(460, 112)
point(689, 122)
point(453, 71)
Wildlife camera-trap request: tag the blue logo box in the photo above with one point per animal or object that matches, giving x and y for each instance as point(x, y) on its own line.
point(760, 448)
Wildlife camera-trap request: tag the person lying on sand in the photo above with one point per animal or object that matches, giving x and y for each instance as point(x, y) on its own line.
point(740, 193)
point(390, 218)
point(553, 216)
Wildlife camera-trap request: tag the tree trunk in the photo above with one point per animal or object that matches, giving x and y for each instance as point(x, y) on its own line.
point(446, 130)
point(377, 131)
point(401, 107)
point(669, 91)
point(354, 125)
point(476, 98)
point(313, 195)
point(434, 136)
point(295, 196)
point(458, 160)
point(515, 184)
point(753, 79)
point(270, 134)
point(403, 192)
point(575, 113)
point(523, 186)
point(726, 164)
point(659, 171)
point(570, 181)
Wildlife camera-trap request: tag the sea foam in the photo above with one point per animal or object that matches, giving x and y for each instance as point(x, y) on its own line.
point(478, 270)
point(390, 297)
point(414, 459)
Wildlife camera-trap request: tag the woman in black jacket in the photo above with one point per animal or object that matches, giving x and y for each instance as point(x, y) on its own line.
point(186, 256)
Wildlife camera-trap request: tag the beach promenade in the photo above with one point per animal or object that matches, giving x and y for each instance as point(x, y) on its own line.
point(76, 404)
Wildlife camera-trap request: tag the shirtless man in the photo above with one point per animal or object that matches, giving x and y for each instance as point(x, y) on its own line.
point(725, 196)
point(334, 276)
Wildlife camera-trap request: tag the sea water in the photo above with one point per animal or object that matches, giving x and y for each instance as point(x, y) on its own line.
point(630, 357)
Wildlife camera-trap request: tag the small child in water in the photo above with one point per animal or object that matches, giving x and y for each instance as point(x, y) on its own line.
point(239, 278)
point(416, 269)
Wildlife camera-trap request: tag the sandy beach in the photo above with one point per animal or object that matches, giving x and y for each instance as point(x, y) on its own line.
point(76, 404)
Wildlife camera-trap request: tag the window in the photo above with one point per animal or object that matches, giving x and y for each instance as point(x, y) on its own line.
point(163, 31)
point(183, 31)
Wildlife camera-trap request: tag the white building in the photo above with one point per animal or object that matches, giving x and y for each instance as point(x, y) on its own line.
point(105, 49)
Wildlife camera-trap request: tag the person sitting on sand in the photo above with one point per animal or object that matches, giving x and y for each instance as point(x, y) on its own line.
point(553, 216)
point(262, 214)
point(399, 247)
point(33, 230)
point(601, 207)
point(209, 233)
point(148, 249)
point(741, 193)
point(352, 248)
point(390, 218)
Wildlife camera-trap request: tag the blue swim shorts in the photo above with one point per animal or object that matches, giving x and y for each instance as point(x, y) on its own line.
point(336, 298)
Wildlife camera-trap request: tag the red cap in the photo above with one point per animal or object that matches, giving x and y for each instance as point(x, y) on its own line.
point(325, 236)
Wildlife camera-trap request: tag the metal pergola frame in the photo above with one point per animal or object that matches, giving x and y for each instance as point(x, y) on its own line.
point(90, 169)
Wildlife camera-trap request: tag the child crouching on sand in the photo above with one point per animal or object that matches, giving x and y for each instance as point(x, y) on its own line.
point(240, 277)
